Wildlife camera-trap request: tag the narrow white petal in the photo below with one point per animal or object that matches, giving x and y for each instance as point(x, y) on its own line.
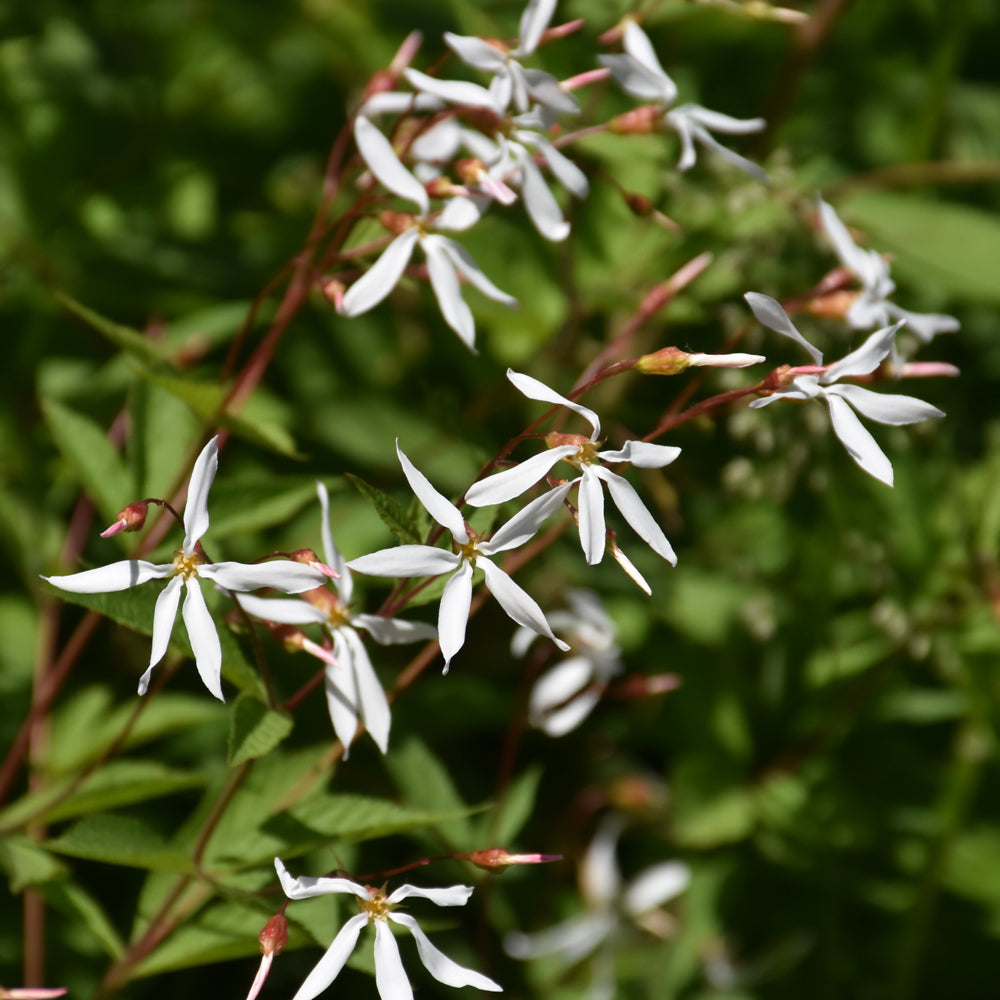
point(475, 52)
point(637, 81)
point(406, 561)
point(725, 360)
point(399, 102)
point(448, 290)
point(590, 503)
point(114, 576)
point(204, 638)
point(164, 615)
point(642, 454)
point(518, 604)
point(438, 964)
point(382, 161)
point(460, 214)
point(703, 136)
point(850, 254)
point(634, 511)
point(560, 721)
point(472, 273)
point(375, 711)
point(453, 612)
point(438, 506)
point(636, 43)
point(685, 132)
point(573, 939)
point(453, 91)
point(563, 169)
point(718, 122)
point(561, 689)
point(328, 967)
point(545, 89)
point(539, 202)
point(865, 359)
point(526, 522)
point(331, 554)
point(860, 445)
point(885, 408)
point(342, 699)
point(600, 879)
point(631, 571)
point(513, 482)
point(196, 506)
point(390, 976)
point(452, 895)
point(655, 886)
point(534, 389)
point(280, 574)
point(925, 326)
point(534, 21)
point(769, 312)
point(381, 278)
point(305, 886)
point(393, 631)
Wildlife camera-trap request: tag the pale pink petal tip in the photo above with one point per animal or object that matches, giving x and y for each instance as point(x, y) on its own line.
point(114, 529)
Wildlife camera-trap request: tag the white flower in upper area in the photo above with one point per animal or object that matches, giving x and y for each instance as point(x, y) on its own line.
point(377, 908)
point(872, 306)
point(512, 83)
point(640, 74)
point(567, 693)
point(582, 453)
point(446, 259)
point(611, 908)
point(472, 553)
point(353, 691)
point(187, 569)
point(883, 408)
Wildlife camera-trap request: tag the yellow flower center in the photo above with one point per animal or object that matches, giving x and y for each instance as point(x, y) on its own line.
point(378, 907)
point(186, 565)
point(469, 550)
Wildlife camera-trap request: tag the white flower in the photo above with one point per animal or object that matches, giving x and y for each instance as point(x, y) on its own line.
point(566, 694)
point(379, 909)
point(446, 259)
point(187, 569)
point(582, 453)
point(872, 306)
point(473, 553)
point(353, 691)
point(883, 408)
point(640, 74)
point(610, 908)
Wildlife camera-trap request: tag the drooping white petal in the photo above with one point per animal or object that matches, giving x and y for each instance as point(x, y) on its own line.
point(331, 554)
point(393, 631)
point(204, 638)
point(590, 503)
point(476, 52)
point(885, 408)
point(655, 886)
point(281, 574)
point(382, 161)
point(406, 561)
point(375, 712)
point(452, 895)
point(453, 612)
point(453, 91)
point(390, 976)
point(865, 359)
point(114, 576)
point(534, 20)
point(573, 939)
point(559, 702)
point(381, 278)
point(472, 273)
point(399, 102)
point(634, 511)
point(631, 571)
point(637, 81)
point(328, 967)
point(196, 505)
point(636, 43)
point(438, 506)
point(439, 965)
point(925, 326)
point(306, 886)
point(518, 604)
point(719, 122)
point(642, 454)
point(513, 482)
point(769, 312)
point(164, 615)
point(600, 880)
point(851, 256)
point(539, 202)
point(860, 445)
point(545, 89)
point(702, 135)
point(526, 522)
point(448, 290)
point(563, 169)
point(343, 702)
point(534, 389)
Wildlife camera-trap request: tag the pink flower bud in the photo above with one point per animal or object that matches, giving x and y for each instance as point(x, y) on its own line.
point(130, 518)
point(639, 121)
point(333, 291)
point(498, 858)
point(309, 558)
point(274, 936)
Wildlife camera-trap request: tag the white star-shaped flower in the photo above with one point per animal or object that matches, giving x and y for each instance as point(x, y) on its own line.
point(472, 553)
point(187, 569)
point(353, 691)
point(378, 909)
point(582, 452)
point(872, 306)
point(883, 408)
point(639, 73)
point(446, 259)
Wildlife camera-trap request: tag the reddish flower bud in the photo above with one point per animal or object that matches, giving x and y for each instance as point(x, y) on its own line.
point(639, 121)
point(274, 936)
point(666, 361)
point(309, 558)
point(396, 222)
point(333, 291)
point(495, 858)
point(130, 518)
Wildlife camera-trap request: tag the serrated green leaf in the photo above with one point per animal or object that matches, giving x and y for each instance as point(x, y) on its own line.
point(121, 840)
point(400, 521)
point(255, 730)
point(26, 863)
point(121, 336)
point(99, 468)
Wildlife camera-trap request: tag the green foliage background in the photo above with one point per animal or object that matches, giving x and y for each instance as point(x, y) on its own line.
point(828, 767)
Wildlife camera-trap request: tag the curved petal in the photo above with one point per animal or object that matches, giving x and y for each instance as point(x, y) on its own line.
point(563, 169)
point(634, 511)
point(377, 152)
point(390, 976)
point(393, 631)
point(399, 102)
point(519, 606)
point(328, 967)
point(866, 358)
point(655, 886)
point(534, 389)
point(925, 326)
point(539, 202)
point(448, 290)
point(573, 939)
point(164, 615)
point(476, 52)
point(631, 571)
point(685, 132)
point(526, 522)
point(453, 91)
point(436, 504)
point(850, 254)
point(545, 89)
point(559, 702)
point(600, 880)
point(718, 122)
point(196, 505)
point(642, 454)
point(860, 445)
point(305, 886)
point(512, 482)
point(472, 273)
point(341, 690)
point(114, 576)
point(561, 721)
point(452, 895)
point(406, 561)
point(590, 503)
point(769, 312)
point(453, 612)
point(331, 554)
point(885, 408)
point(637, 81)
point(204, 638)
point(438, 964)
point(460, 213)
point(636, 43)
point(381, 278)
point(534, 20)
point(281, 574)
point(375, 711)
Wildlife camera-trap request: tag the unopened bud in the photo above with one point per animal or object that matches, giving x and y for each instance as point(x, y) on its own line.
point(32, 992)
point(442, 187)
point(666, 361)
point(639, 121)
point(295, 640)
point(835, 305)
point(333, 291)
point(130, 518)
point(396, 222)
point(637, 793)
point(638, 204)
point(499, 858)
point(557, 439)
point(308, 557)
point(274, 936)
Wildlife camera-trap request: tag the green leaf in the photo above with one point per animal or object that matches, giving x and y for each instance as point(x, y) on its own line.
point(255, 730)
point(242, 505)
point(98, 467)
point(26, 863)
point(121, 840)
point(515, 809)
point(402, 522)
point(85, 911)
point(121, 336)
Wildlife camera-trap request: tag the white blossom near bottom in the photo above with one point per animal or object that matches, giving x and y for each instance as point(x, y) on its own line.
point(378, 909)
